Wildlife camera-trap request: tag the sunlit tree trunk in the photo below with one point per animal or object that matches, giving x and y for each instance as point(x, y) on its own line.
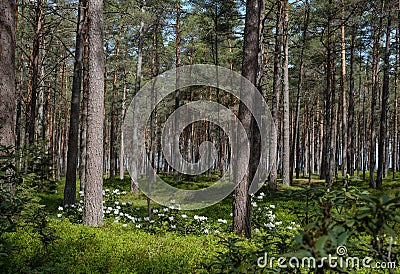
point(93, 206)
point(250, 67)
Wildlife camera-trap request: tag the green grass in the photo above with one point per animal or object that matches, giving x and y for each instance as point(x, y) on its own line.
point(110, 249)
point(117, 249)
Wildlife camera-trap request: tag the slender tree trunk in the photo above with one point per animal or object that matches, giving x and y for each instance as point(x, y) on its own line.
point(134, 172)
point(123, 113)
point(384, 108)
point(93, 206)
point(82, 164)
point(73, 137)
point(177, 65)
point(350, 131)
point(272, 179)
point(375, 86)
point(31, 120)
point(344, 95)
point(113, 126)
point(286, 122)
point(294, 145)
point(395, 146)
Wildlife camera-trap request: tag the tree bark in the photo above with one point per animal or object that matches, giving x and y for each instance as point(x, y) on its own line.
point(344, 95)
point(7, 78)
point(375, 85)
point(92, 206)
point(286, 122)
point(73, 137)
point(384, 108)
point(250, 67)
point(31, 120)
point(272, 179)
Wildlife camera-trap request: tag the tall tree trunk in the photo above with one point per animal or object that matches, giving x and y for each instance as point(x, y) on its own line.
point(272, 179)
point(73, 137)
point(395, 146)
point(92, 205)
point(82, 158)
point(31, 121)
point(375, 85)
point(286, 122)
point(7, 78)
point(350, 131)
point(177, 65)
point(384, 108)
point(134, 172)
point(113, 126)
point(123, 114)
point(294, 145)
point(250, 67)
point(344, 95)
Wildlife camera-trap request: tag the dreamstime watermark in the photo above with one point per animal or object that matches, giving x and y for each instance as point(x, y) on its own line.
point(138, 139)
point(339, 260)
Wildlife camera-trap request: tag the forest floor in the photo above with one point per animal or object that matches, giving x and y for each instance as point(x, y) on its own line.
point(199, 241)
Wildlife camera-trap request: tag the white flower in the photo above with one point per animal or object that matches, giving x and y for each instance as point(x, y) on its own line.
point(278, 223)
point(123, 192)
point(108, 211)
point(139, 225)
point(254, 204)
point(137, 208)
point(173, 226)
point(196, 217)
point(262, 194)
point(124, 225)
point(155, 210)
point(121, 214)
point(116, 221)
point(118, 207)
point(292, 223)
point(116, 202)
point(289, 227)
point(73, 206)
point(231, 214)
point(260, 197)
point(171, 218)
point(256, 230)
point(107, 190)
point(123, 203)
point(269, 225)
point(59, 215)
point(172, 201)
point(146, 219)
point(222, 221)
point(172, 207)
point(160, 215)
point(165, 209)
point(206, 231)
point(272, 206)
point(184, 216)
point(60, 208)
point(81, 193)
point(80, 209)
point(116, 212)
point(109, 208)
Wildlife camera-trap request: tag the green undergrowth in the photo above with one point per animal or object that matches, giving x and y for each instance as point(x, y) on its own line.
point(109, 249)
